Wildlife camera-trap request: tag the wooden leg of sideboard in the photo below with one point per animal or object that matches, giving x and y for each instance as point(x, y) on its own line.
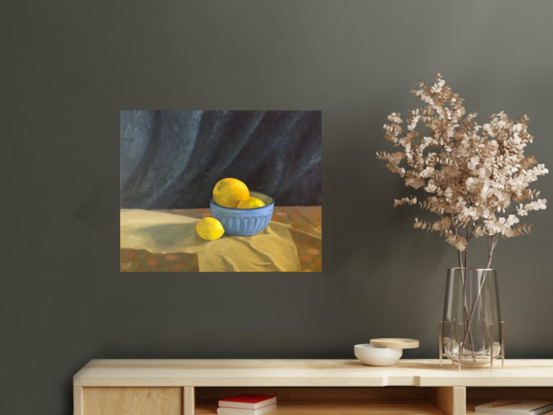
point(188, 400)
point(450, 400)
point(77, 400)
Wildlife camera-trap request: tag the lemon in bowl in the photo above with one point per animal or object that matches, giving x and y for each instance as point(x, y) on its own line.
point(250, 203)
point(229, 192)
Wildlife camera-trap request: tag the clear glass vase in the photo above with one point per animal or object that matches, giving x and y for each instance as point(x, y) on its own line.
point(471, 331)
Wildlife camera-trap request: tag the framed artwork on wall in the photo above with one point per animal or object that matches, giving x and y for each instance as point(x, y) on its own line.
point(216, 191)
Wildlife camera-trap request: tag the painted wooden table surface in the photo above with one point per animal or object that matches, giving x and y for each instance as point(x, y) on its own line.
point(305, 227)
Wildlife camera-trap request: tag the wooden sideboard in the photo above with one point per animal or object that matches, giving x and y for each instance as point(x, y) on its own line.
point(318, 387)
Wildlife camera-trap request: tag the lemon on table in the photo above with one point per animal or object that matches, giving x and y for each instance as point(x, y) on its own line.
point(209, 229)
point(250, 203)
point(229, 192)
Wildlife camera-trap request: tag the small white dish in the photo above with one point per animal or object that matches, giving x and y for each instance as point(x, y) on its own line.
point(376, 356)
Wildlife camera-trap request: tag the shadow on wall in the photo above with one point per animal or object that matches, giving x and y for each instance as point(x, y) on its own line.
point(172, 159)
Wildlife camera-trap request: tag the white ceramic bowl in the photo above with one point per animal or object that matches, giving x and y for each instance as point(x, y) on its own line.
point(376, 356)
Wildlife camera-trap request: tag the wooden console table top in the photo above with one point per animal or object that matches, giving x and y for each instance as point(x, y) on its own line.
point(308, 373)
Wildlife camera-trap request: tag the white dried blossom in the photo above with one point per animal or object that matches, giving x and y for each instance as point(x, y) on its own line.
point(474, 177)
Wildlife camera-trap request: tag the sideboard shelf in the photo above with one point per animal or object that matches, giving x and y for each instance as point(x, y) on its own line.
point(424, 408)
point(318, 387)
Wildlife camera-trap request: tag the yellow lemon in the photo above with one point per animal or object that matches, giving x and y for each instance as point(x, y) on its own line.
point(250, 203)
point(229, 192)
point(210, 229)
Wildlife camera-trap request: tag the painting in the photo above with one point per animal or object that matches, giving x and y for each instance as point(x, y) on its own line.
point(220, 191)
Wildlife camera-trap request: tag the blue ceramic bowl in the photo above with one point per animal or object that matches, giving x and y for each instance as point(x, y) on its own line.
point(244, 222)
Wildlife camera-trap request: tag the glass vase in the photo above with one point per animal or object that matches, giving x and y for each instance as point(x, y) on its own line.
point(471, 332)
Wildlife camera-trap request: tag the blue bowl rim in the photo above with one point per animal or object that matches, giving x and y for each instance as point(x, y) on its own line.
point(245, 210)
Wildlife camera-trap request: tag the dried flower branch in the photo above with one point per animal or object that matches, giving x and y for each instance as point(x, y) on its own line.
point(475, 178)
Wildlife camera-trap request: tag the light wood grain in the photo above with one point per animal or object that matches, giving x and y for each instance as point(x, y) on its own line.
point(212, 395)
point(307, 373)
point(77, 400)
point(189, 400)
point(395, 343)
point(450, 400)
point(418, 408)
point(132, 401)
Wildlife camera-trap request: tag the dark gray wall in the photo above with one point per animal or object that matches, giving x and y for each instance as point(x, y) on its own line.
point(173, 159)
point(69, 67)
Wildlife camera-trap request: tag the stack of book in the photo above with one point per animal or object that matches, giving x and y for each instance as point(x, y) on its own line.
point(247, 404)
point(515, 407)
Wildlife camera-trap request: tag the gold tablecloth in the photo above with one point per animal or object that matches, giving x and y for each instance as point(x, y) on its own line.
point(167, 241)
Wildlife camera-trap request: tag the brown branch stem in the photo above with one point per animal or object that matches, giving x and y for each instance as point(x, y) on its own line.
point(491, 246)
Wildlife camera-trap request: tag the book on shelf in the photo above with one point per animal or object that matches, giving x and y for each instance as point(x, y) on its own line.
point(247, 404)
point(515, 407)
point(242, 411)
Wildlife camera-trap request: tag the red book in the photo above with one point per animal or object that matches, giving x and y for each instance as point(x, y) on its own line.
point(247, 401)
